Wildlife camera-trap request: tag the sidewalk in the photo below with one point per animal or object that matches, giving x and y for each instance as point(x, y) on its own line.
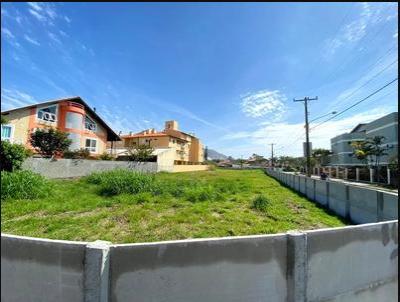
point(359, 184)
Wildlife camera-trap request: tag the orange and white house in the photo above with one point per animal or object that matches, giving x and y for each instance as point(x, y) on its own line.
point(176, 146)
point(72, 115)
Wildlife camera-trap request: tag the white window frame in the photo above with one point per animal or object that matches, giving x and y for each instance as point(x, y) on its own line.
point(90, 148)
point(47, 121)
point(92, 122)
point(11, 138)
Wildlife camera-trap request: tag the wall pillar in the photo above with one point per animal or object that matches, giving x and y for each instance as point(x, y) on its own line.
point(337, 172)
point(329, 172)
point(371, 175)
point(346, 173)
point(96, 274)
point(297, 266)
point(388, 175)
point(357, 174)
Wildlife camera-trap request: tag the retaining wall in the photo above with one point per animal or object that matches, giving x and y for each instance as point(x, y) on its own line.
point(354, 263)
point(359, 205)
point(189, 168)
point(64, 168)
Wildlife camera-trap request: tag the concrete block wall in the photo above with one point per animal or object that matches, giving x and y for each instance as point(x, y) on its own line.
point(65, 168)
point(354, 263)
point(359, 205)
point(41, 270)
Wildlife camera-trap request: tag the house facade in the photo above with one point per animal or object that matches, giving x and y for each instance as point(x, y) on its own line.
point(186, 148)
point(72, 115)
point(386, 126)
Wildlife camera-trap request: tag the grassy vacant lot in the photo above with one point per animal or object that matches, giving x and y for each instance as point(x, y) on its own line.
point(199, 204)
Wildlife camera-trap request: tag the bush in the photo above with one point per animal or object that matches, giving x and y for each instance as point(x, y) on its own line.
point(50, 142)
point(77, 154)
point(260, 203)
point(106, 156)
point(120, 181)
point(12, 156)
point(23, 185)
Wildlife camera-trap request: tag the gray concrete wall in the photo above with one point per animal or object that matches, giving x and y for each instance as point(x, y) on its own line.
point(321, 192)
point(229, 269)
point(337, 199)
point(302, 186)
point(41, 270)
point(64, 168)
point(354, 263)
point(357, 263)
point(359, 205)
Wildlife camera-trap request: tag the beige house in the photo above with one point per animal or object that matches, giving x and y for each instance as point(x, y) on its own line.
point(72, 115)
point(181, 147)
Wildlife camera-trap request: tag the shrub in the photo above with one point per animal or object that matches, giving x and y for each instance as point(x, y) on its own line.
point(120, 181)
point(106, 156)
point(77, 154)
point(260, 203)
point(23, 185)
point(12, 156)
point(49, 142)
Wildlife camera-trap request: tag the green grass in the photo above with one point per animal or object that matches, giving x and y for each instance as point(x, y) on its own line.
point(177, 206)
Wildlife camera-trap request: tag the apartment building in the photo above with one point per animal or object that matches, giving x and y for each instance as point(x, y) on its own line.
point(72, 115)
point(185, 148)
point(386, 126)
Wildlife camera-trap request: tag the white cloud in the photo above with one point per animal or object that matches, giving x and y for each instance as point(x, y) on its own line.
point(37, 15)
point(358, 28)
point(13, 98)
point(67, 19)
point(289, 137)
point(42, 11)
point(396, 35)
point(33, 41)
point(263, 103)
point(63, 33)
point(35, 5)
point(54, 37)
point(7, 33)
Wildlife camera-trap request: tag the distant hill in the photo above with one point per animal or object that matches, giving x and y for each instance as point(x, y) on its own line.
point(212, 154)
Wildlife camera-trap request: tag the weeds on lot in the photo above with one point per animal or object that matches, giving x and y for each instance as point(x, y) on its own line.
point(131, 182)
point(23, 185)
point(260, 202)
point(120, 181)
point(179, 206)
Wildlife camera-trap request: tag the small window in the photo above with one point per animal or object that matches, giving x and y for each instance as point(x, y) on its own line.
point(48, 114)
point(90, 124)
point(90, 145)
point(6, 132)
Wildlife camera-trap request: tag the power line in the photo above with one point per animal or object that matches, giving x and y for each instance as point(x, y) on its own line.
point(367, 82)
point(355, 104)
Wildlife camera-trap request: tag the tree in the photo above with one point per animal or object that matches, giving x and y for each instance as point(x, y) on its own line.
point(50, 142)
point(320, 155)
point(141, 153)
point(370, 151)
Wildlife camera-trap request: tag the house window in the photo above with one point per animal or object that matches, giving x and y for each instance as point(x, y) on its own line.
point(47, 113)
point(73, 121)
point(91, 144)
point(90, 124)
point(6, 132)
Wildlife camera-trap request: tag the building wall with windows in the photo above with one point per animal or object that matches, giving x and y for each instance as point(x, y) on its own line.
point(83, 128)
point(386, 126)
point(187, 148)
point(17, 127)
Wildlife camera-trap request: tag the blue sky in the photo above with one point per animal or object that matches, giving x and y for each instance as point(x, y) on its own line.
point(226, 71)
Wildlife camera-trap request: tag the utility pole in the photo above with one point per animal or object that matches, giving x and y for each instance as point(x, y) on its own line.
point(305, 100)
point(272, 155)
